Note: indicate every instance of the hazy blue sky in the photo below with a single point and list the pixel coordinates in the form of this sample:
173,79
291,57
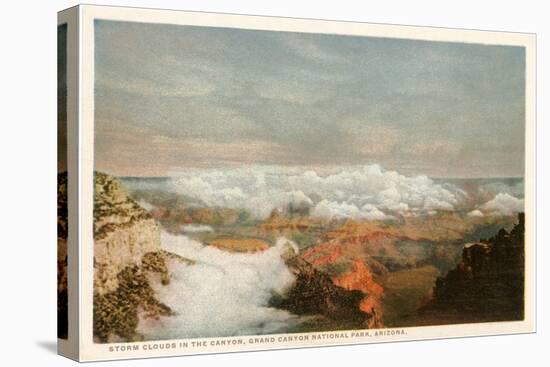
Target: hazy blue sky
170,97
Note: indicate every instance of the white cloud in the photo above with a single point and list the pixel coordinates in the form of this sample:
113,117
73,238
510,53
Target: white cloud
196,228
353,192
329,209
475,213
434,203
504,204
223,294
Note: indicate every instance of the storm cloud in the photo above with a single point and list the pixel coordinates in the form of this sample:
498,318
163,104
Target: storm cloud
170,97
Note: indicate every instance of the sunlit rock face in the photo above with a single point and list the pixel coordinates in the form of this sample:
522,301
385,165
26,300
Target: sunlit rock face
126,251
123,233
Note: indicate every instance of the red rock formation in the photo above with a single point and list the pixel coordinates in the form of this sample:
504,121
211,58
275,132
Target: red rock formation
361,279
323,254
314,293
350,267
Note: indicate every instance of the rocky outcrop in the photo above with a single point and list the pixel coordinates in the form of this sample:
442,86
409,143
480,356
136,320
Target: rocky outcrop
361,278
280,223
126,251
117,313
349,266
401,245
314,293
488,283
123,233
62,235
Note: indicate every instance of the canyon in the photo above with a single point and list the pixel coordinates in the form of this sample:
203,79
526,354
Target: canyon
155,252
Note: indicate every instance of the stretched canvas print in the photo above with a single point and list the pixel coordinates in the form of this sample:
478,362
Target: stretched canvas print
234,183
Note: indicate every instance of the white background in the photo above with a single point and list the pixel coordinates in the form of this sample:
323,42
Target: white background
28,182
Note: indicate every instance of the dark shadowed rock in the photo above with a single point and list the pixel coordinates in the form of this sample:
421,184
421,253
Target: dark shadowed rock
487,285
314,293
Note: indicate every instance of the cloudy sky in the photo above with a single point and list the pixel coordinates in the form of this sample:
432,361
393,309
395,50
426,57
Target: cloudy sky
62,98
172,97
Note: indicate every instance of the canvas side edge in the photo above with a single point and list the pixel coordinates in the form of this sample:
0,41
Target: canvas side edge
70,347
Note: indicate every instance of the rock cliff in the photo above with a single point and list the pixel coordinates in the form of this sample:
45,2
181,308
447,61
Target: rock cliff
348,265
314,293
126,252
488,283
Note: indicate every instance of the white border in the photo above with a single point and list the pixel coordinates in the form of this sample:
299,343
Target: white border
91,351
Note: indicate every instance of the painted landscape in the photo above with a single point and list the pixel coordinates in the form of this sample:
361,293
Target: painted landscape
252,182
62,179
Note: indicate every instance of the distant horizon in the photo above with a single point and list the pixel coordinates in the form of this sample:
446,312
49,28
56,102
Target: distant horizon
415,175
